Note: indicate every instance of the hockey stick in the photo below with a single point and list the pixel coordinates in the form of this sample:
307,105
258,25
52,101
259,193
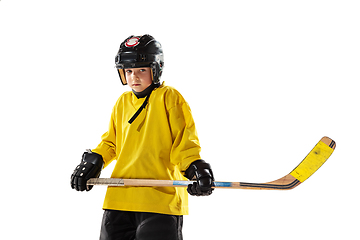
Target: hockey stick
312,162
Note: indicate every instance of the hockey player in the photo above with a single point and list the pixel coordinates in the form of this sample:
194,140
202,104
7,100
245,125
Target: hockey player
151,136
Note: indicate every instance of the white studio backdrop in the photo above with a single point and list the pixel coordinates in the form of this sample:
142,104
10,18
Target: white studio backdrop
265,81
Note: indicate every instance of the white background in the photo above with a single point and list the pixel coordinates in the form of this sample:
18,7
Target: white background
265,81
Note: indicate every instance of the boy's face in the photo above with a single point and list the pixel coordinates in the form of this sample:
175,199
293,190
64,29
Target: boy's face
138,78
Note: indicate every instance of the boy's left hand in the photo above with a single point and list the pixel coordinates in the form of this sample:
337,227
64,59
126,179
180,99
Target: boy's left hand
201,171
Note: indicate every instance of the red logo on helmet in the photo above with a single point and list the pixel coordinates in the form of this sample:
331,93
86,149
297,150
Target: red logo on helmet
132,42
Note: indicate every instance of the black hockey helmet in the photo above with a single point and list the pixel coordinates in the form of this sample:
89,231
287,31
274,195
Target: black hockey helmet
140,51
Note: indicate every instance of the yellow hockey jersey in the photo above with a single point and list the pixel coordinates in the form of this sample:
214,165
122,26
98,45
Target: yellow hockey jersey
160,144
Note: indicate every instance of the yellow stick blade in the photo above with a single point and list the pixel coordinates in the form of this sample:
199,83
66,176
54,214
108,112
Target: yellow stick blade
314,160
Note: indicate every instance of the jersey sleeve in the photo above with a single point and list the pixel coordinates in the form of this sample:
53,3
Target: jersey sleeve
186,147
107,146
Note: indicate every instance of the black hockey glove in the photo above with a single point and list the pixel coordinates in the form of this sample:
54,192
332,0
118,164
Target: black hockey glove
201,171
90,167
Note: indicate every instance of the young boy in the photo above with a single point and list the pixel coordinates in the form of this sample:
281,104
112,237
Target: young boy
152,135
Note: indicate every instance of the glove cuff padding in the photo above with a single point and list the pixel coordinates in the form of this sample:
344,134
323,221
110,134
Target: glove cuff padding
199,169
94,158
90,167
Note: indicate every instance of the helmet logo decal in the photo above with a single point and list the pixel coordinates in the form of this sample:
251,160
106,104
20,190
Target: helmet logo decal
132,42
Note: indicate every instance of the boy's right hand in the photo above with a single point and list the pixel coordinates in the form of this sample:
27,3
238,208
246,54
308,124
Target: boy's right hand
90,167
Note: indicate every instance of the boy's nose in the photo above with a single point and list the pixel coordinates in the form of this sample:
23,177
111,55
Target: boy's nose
134,76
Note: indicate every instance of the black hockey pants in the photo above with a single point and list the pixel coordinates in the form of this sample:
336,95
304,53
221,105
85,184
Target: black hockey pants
122,225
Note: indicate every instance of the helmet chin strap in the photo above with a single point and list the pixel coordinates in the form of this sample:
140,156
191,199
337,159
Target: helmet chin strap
146,93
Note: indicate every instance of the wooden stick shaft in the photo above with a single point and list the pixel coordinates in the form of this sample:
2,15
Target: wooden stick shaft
119,182
285,183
